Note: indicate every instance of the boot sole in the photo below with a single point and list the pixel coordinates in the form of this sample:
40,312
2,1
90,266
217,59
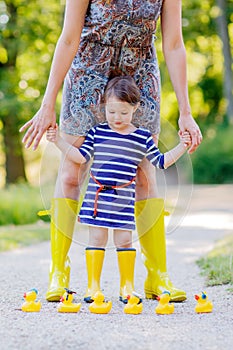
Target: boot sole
53,296
178,299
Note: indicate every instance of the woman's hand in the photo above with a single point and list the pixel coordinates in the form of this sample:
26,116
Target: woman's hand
36,127
187,123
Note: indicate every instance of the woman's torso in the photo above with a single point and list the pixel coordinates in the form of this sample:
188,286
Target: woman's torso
122,22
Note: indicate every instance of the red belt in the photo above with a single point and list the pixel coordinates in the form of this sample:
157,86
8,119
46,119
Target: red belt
104,188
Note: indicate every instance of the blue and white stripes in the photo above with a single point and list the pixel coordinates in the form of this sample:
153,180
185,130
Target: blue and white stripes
115,162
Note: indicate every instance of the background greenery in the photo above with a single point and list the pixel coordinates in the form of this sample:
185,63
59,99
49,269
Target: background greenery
19,205
28,35
217,266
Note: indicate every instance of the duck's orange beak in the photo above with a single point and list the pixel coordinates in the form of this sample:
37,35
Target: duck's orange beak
158,298
197,297
62,299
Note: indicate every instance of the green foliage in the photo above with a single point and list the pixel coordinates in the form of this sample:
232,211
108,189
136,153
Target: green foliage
205,63
19,205
213,160
28,34
28,37
217,267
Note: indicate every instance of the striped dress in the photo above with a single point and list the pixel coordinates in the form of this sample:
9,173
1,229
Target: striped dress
115,161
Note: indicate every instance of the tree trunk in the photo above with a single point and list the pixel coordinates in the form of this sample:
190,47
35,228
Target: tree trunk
15,168
224,35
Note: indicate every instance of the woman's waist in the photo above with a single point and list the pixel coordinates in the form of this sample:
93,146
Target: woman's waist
120,34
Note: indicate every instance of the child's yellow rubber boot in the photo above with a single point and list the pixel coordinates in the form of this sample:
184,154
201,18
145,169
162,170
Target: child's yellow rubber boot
126,263
151,231
63,217
94,263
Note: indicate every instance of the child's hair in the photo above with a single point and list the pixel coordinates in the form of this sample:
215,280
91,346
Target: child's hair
124,89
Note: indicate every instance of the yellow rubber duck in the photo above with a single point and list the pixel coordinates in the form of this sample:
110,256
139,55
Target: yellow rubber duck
203,303
163,307
99,306
30,304
66,304
134,305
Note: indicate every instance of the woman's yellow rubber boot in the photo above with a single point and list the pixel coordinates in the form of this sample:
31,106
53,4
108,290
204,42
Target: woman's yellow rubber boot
151,231
126,263
63,217
94,263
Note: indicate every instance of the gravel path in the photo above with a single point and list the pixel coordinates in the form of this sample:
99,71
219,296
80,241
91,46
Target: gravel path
209,218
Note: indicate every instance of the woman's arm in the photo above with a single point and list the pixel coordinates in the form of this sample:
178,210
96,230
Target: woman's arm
175,57
65,51
67,47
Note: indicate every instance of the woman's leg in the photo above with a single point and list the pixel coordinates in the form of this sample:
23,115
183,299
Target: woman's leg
98,237
70,175
149,212
64,208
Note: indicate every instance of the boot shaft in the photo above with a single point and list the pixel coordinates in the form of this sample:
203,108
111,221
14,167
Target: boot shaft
126,264
151,232
94,264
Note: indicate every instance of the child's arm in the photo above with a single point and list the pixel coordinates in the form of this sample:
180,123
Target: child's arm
71,152
175,153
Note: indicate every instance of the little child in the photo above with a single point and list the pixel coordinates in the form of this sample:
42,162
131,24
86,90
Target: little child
117,148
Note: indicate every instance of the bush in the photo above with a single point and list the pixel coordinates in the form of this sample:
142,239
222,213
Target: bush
19,204
213,160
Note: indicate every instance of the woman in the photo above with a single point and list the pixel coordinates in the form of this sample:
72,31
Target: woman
100,39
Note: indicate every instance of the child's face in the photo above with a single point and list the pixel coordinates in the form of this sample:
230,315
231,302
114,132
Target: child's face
119,114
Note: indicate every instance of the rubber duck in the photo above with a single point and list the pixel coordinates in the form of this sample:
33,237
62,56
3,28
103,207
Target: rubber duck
203,303
99,305
66,304
134,305
163,307
30,304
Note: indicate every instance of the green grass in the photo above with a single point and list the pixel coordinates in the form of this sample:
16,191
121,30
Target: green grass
217,266
12,237
19,204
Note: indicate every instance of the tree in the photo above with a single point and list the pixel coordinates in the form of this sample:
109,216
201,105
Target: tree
222,25
9,77
28,32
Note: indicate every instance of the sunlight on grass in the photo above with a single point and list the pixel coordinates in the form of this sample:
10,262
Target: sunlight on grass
12,237
217,267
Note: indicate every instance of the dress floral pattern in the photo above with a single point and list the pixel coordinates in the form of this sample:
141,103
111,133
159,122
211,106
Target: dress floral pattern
117,39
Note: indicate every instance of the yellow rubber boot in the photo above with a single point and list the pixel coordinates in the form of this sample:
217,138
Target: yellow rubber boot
94,263
151,230
63,217
126,263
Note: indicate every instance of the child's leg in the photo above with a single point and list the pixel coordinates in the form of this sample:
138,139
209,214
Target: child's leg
98,237
126,261
122,238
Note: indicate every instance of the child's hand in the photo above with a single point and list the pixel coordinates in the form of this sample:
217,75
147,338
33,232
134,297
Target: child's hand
52,134
185,138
